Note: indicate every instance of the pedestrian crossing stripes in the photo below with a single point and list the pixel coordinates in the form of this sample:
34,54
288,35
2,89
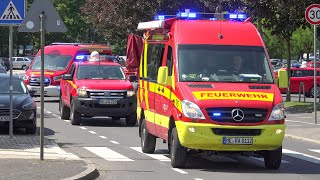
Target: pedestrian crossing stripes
111,155
108,154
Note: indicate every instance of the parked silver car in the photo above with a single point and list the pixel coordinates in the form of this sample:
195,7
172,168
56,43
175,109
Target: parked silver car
21,62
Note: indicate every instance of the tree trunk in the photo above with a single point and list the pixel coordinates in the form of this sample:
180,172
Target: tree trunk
288,97
260,28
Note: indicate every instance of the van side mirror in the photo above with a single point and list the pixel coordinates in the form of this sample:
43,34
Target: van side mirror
67,77
162,75
283,81
132,78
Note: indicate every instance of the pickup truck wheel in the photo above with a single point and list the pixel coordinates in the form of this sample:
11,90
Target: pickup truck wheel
131,120
272,159
75,117
148,141
178,153
64,110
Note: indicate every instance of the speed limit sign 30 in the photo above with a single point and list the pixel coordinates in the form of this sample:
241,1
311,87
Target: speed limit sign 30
313,14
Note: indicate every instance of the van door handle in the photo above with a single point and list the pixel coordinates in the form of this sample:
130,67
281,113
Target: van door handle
158,88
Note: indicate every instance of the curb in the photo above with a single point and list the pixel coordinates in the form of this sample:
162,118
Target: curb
91,172
302,138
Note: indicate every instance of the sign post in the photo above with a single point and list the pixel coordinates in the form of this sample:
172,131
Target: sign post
312,15
11,14
42,16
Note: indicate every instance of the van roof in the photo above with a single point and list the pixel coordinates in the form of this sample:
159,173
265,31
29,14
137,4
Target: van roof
71,49
207,32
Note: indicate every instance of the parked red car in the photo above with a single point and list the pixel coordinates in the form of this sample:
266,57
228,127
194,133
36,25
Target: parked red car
304,75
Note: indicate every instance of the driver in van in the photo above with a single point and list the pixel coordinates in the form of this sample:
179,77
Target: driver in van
237,67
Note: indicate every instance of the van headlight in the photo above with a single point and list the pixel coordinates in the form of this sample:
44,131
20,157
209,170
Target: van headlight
82,92
130,93
28,106
191,110
278,113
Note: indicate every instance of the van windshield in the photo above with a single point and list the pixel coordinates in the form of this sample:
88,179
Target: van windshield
100,72
52,62
215,63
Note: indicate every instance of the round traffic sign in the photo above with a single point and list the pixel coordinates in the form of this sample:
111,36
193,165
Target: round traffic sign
313,14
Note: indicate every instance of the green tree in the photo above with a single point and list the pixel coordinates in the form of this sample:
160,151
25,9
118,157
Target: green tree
302,41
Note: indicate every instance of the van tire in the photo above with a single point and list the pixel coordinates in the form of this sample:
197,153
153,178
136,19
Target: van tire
148,141
272,159
131,120
75,117
64,110
178,153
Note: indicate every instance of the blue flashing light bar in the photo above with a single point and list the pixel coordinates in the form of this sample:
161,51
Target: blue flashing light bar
80,57
217,114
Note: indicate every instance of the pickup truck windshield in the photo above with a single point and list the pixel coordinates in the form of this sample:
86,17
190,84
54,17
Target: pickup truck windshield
215,63
100,72
52,62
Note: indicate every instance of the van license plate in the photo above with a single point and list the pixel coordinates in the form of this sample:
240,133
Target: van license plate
108,101
4,118
238,140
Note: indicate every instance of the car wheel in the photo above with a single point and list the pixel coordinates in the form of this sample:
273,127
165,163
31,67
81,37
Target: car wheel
131,120
178,153
64,110
272,159
75,117
148,141
311,92
31,130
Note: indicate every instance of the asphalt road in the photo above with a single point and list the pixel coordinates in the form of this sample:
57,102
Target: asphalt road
115,150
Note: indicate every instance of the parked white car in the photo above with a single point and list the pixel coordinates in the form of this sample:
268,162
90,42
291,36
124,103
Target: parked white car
21,62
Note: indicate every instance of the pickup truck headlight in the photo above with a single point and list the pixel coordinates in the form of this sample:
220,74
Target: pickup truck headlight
278,113
82,92
130,93
191,110
28,106
57,78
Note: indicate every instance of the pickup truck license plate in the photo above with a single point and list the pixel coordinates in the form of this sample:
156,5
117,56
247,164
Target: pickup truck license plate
4,118
108,101
238,140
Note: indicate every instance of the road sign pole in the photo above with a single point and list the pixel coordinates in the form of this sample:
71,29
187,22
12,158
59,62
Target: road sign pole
42,31
316,90
11,87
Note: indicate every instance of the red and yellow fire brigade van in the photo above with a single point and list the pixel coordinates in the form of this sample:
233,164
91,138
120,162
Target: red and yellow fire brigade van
206,84
97,88
58,58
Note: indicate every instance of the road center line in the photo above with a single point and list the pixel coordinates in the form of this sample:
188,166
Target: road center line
114,142
179,170
103,137
92,132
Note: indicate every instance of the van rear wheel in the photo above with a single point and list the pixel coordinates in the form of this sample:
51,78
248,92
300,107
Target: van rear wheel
148,141
272,159
178,153
131,120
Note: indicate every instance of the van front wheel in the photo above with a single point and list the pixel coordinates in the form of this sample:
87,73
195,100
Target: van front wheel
148,141
272,159
178,153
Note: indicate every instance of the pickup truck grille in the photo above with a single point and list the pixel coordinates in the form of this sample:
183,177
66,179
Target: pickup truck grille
6,112
36,81
107,94
224,115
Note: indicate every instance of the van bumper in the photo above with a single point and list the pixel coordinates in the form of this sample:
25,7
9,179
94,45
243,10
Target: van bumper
204,136
52,91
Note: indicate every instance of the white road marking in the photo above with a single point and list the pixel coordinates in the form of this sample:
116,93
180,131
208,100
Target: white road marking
49,112
38,107
55,115
114,142
261,159
92,132
198,179
83,128
103,137
301,156
67,121
315,150
302,122
108,154
159,157
179,170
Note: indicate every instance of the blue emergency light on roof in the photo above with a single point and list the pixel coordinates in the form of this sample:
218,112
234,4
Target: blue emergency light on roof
80,57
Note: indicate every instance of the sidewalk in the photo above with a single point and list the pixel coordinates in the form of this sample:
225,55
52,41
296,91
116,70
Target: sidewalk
302,126
20,159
